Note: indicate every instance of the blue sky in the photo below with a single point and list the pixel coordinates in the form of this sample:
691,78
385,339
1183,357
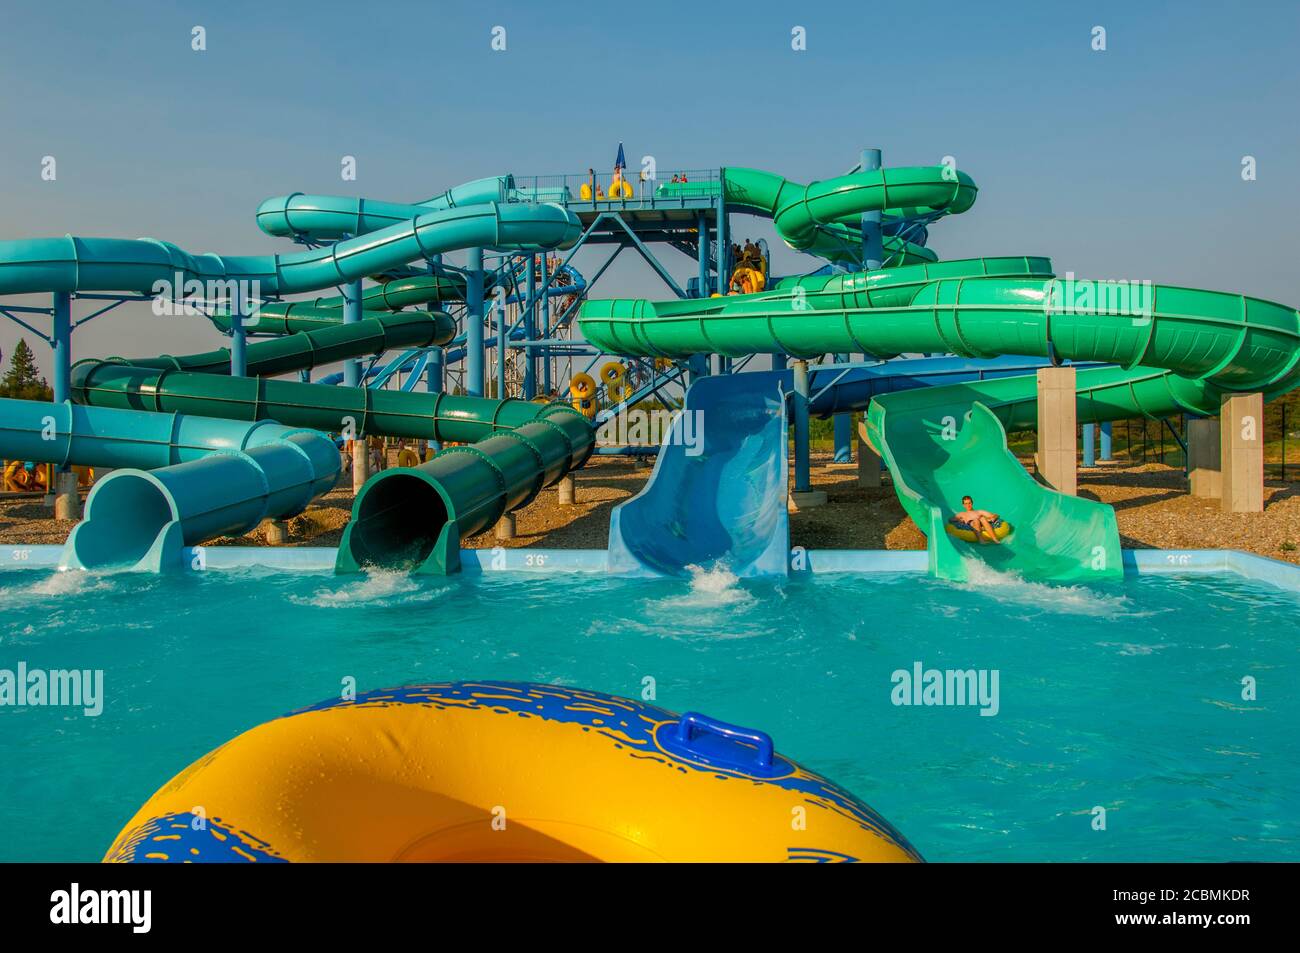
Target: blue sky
1117,164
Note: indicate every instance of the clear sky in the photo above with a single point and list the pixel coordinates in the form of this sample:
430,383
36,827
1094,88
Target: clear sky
1118,164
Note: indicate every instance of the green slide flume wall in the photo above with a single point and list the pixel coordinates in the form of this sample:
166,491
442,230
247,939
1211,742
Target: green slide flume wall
1177,349
824,218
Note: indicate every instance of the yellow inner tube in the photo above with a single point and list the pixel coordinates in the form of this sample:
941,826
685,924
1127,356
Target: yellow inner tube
503,771
1001,531
582,386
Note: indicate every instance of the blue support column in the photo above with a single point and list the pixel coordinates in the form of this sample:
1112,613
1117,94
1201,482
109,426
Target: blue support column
474,324
63,493
238,338
351,315
500,313
530,332
799,400
547,385
62,341
702,231
873,246
1105,442
843,428
1089,445
723,236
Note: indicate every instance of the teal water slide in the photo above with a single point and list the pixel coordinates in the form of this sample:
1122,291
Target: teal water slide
1177,349
206,494
163,498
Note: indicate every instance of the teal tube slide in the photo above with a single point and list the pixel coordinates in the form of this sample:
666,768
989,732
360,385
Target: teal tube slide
1175,347
142,265
303,350
181,480
261,472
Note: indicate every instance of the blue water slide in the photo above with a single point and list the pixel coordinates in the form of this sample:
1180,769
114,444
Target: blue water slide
717,496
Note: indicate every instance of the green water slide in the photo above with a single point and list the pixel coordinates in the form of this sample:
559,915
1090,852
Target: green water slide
824,218
200,383
1176,349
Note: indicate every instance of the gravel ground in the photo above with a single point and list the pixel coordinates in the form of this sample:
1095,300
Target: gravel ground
1153,510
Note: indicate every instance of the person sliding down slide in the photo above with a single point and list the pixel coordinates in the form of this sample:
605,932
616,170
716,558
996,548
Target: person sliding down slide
980,522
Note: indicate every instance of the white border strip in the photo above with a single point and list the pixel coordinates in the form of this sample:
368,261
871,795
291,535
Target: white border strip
1142,562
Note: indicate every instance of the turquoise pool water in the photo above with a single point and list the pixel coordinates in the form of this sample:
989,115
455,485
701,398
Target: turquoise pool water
1127,698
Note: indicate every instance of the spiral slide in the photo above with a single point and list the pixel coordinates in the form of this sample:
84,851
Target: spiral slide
1177,349
825,218
141,519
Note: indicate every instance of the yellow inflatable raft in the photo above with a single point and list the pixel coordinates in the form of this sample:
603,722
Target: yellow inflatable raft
1001,529
503,771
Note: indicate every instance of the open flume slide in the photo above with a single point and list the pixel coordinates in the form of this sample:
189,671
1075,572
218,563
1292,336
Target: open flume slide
824,218
1183,347
718,492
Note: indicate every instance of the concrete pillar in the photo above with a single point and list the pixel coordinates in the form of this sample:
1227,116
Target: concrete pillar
360,464
1204,458
568,488
277,532
506,526
67,501
1057,451
868,461
1241,445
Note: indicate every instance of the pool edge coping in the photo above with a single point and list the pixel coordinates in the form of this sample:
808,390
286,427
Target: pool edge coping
1140,562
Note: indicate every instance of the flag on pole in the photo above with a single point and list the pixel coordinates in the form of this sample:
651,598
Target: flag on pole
620,163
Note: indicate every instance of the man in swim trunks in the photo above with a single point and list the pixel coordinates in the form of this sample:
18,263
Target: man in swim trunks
980,522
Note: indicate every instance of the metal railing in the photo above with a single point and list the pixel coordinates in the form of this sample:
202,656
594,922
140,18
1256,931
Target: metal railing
633,188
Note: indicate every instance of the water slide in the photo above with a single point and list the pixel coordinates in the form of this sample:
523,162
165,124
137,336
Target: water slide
825,218
1178,349
413,518
718,491
72,264
140,519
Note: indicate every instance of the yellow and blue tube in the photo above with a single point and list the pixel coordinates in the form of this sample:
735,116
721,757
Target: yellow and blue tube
501,771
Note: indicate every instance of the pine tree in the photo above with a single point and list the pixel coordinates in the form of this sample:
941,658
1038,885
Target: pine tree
22,380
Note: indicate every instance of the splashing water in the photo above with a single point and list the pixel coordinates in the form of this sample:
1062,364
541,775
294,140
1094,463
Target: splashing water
375,589
1010,588
713,588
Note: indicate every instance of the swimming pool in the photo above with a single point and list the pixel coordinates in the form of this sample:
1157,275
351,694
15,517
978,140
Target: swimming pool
1127,698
